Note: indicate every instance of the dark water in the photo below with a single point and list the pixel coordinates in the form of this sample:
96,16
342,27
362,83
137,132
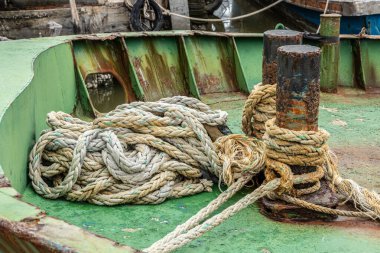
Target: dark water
106,98
256,24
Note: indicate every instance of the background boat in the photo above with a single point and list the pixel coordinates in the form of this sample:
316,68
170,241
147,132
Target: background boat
356,14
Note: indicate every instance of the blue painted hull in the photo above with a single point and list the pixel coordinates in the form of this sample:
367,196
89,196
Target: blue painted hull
349,25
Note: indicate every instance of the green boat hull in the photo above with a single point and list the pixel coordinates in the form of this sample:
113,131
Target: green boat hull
46,74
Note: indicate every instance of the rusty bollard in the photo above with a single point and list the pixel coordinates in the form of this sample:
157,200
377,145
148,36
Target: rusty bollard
273,39
297,105
330,30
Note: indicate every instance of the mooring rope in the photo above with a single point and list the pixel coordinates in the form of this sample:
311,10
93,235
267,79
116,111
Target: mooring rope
146,152
258,109
286,147
170,13
143,152
283,147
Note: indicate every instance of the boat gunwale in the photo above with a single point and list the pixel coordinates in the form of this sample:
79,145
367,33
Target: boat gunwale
16,226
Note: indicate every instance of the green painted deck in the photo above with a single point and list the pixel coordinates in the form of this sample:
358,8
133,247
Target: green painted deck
43,77
249,231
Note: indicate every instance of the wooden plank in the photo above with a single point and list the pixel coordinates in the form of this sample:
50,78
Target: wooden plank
34,23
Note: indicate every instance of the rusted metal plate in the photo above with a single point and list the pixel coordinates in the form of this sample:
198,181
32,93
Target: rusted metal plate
212,61
104,57
158,66
108,56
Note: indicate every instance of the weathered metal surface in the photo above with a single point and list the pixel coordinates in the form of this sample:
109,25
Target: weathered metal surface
250,56
188,72
352,120
239,69
347,66
274,39
298,87
25,229
158,66
330,27
344,7
370,65
31,87
212,62
94,57
297,104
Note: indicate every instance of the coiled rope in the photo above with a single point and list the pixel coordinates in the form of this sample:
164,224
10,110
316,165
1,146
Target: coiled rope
146,152
143,152
283,147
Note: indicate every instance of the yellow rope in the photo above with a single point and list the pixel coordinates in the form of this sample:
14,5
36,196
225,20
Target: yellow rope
145,152
258,109
283,147
140,153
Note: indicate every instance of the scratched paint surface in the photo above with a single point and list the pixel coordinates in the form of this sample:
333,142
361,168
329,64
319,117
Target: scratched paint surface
351,119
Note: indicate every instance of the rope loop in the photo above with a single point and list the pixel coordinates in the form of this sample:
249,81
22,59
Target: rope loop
142,152
259,108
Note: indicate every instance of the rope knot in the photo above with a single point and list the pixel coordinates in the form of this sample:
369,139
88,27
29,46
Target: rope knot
240,155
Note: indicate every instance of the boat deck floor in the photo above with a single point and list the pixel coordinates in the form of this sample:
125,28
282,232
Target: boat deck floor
353,121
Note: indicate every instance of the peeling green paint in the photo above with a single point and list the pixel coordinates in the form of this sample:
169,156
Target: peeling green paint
10,191
49,84
249,231
13,209
27,98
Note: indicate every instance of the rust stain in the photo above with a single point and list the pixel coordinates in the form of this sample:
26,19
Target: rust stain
305,103
22,237
137,65
269,72
207,83
158,77
4,182
212,79
227,64
101,57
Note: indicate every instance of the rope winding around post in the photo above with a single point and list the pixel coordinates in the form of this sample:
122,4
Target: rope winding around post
283,146
146,152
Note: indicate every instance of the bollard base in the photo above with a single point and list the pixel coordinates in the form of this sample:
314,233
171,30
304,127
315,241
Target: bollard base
282,211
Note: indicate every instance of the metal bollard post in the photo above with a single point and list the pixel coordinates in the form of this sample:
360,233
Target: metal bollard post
330,30
297,105
297,98
273,39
